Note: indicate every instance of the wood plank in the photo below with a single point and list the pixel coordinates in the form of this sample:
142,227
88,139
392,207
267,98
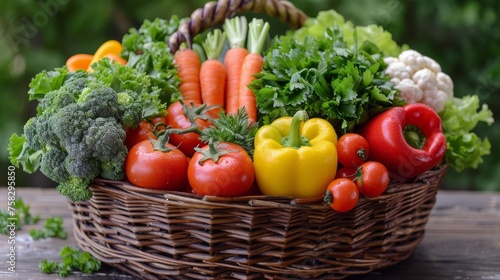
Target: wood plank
462,240
30,252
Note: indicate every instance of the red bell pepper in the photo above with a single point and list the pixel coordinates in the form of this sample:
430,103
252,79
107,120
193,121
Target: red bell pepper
385,136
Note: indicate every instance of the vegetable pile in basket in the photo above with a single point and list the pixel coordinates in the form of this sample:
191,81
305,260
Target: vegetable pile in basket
331,110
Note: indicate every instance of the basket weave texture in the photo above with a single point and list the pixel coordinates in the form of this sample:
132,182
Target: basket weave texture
173,235
153,234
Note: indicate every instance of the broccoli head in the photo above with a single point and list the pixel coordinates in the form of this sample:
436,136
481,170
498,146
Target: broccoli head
84,137
93,147
105,139
56,99
78,132
78,81
68,126
79,164
75,188
113,169
53,164
100,100
129,104
33,139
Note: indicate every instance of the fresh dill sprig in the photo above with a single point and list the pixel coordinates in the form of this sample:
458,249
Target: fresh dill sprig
233,128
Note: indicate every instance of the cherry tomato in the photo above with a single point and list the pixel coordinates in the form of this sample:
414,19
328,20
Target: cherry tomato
352,149
342,195
149,168
346,172
372,178
143,132
176,118
232,175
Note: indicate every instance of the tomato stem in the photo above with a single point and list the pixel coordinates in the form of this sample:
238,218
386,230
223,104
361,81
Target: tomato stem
199,112
359,176
361,153
156,127
211,153
163,136
160,144
328,199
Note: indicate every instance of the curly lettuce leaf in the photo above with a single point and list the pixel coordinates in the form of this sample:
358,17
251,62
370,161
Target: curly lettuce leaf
157,62
146,49
465,149
461,114
46,81
125,78
120,77
21,154
158,30
374,33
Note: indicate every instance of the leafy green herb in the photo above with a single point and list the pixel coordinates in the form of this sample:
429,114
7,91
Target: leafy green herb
21,154
146,49
233,128
465,149
72,259
326,77
48,267
158,30
382,39
53,228
20,216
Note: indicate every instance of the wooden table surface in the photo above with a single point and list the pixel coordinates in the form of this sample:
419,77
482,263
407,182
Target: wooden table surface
462,240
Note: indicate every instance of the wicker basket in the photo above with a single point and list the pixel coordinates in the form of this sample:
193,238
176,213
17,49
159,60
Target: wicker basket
154,234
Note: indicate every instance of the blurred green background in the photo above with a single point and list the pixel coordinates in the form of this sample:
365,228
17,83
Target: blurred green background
462,35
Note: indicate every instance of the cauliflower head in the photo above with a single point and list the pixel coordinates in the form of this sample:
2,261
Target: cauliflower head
419,79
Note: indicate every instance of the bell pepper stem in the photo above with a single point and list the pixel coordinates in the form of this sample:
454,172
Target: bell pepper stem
295,138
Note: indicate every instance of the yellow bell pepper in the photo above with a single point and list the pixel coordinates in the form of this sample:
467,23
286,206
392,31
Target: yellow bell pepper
110,48
295,156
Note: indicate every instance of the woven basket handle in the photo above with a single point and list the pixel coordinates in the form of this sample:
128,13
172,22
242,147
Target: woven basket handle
215,12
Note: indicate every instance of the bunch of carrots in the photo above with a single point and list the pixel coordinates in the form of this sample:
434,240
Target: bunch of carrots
224,84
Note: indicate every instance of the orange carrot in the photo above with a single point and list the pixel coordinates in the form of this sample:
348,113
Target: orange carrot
79,61
188,69
236,30
252,65
213,72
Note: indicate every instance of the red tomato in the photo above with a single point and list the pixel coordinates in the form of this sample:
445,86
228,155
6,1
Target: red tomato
352,149
152,169
342,195
372,179
143,132
232,175
176,118
346,172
